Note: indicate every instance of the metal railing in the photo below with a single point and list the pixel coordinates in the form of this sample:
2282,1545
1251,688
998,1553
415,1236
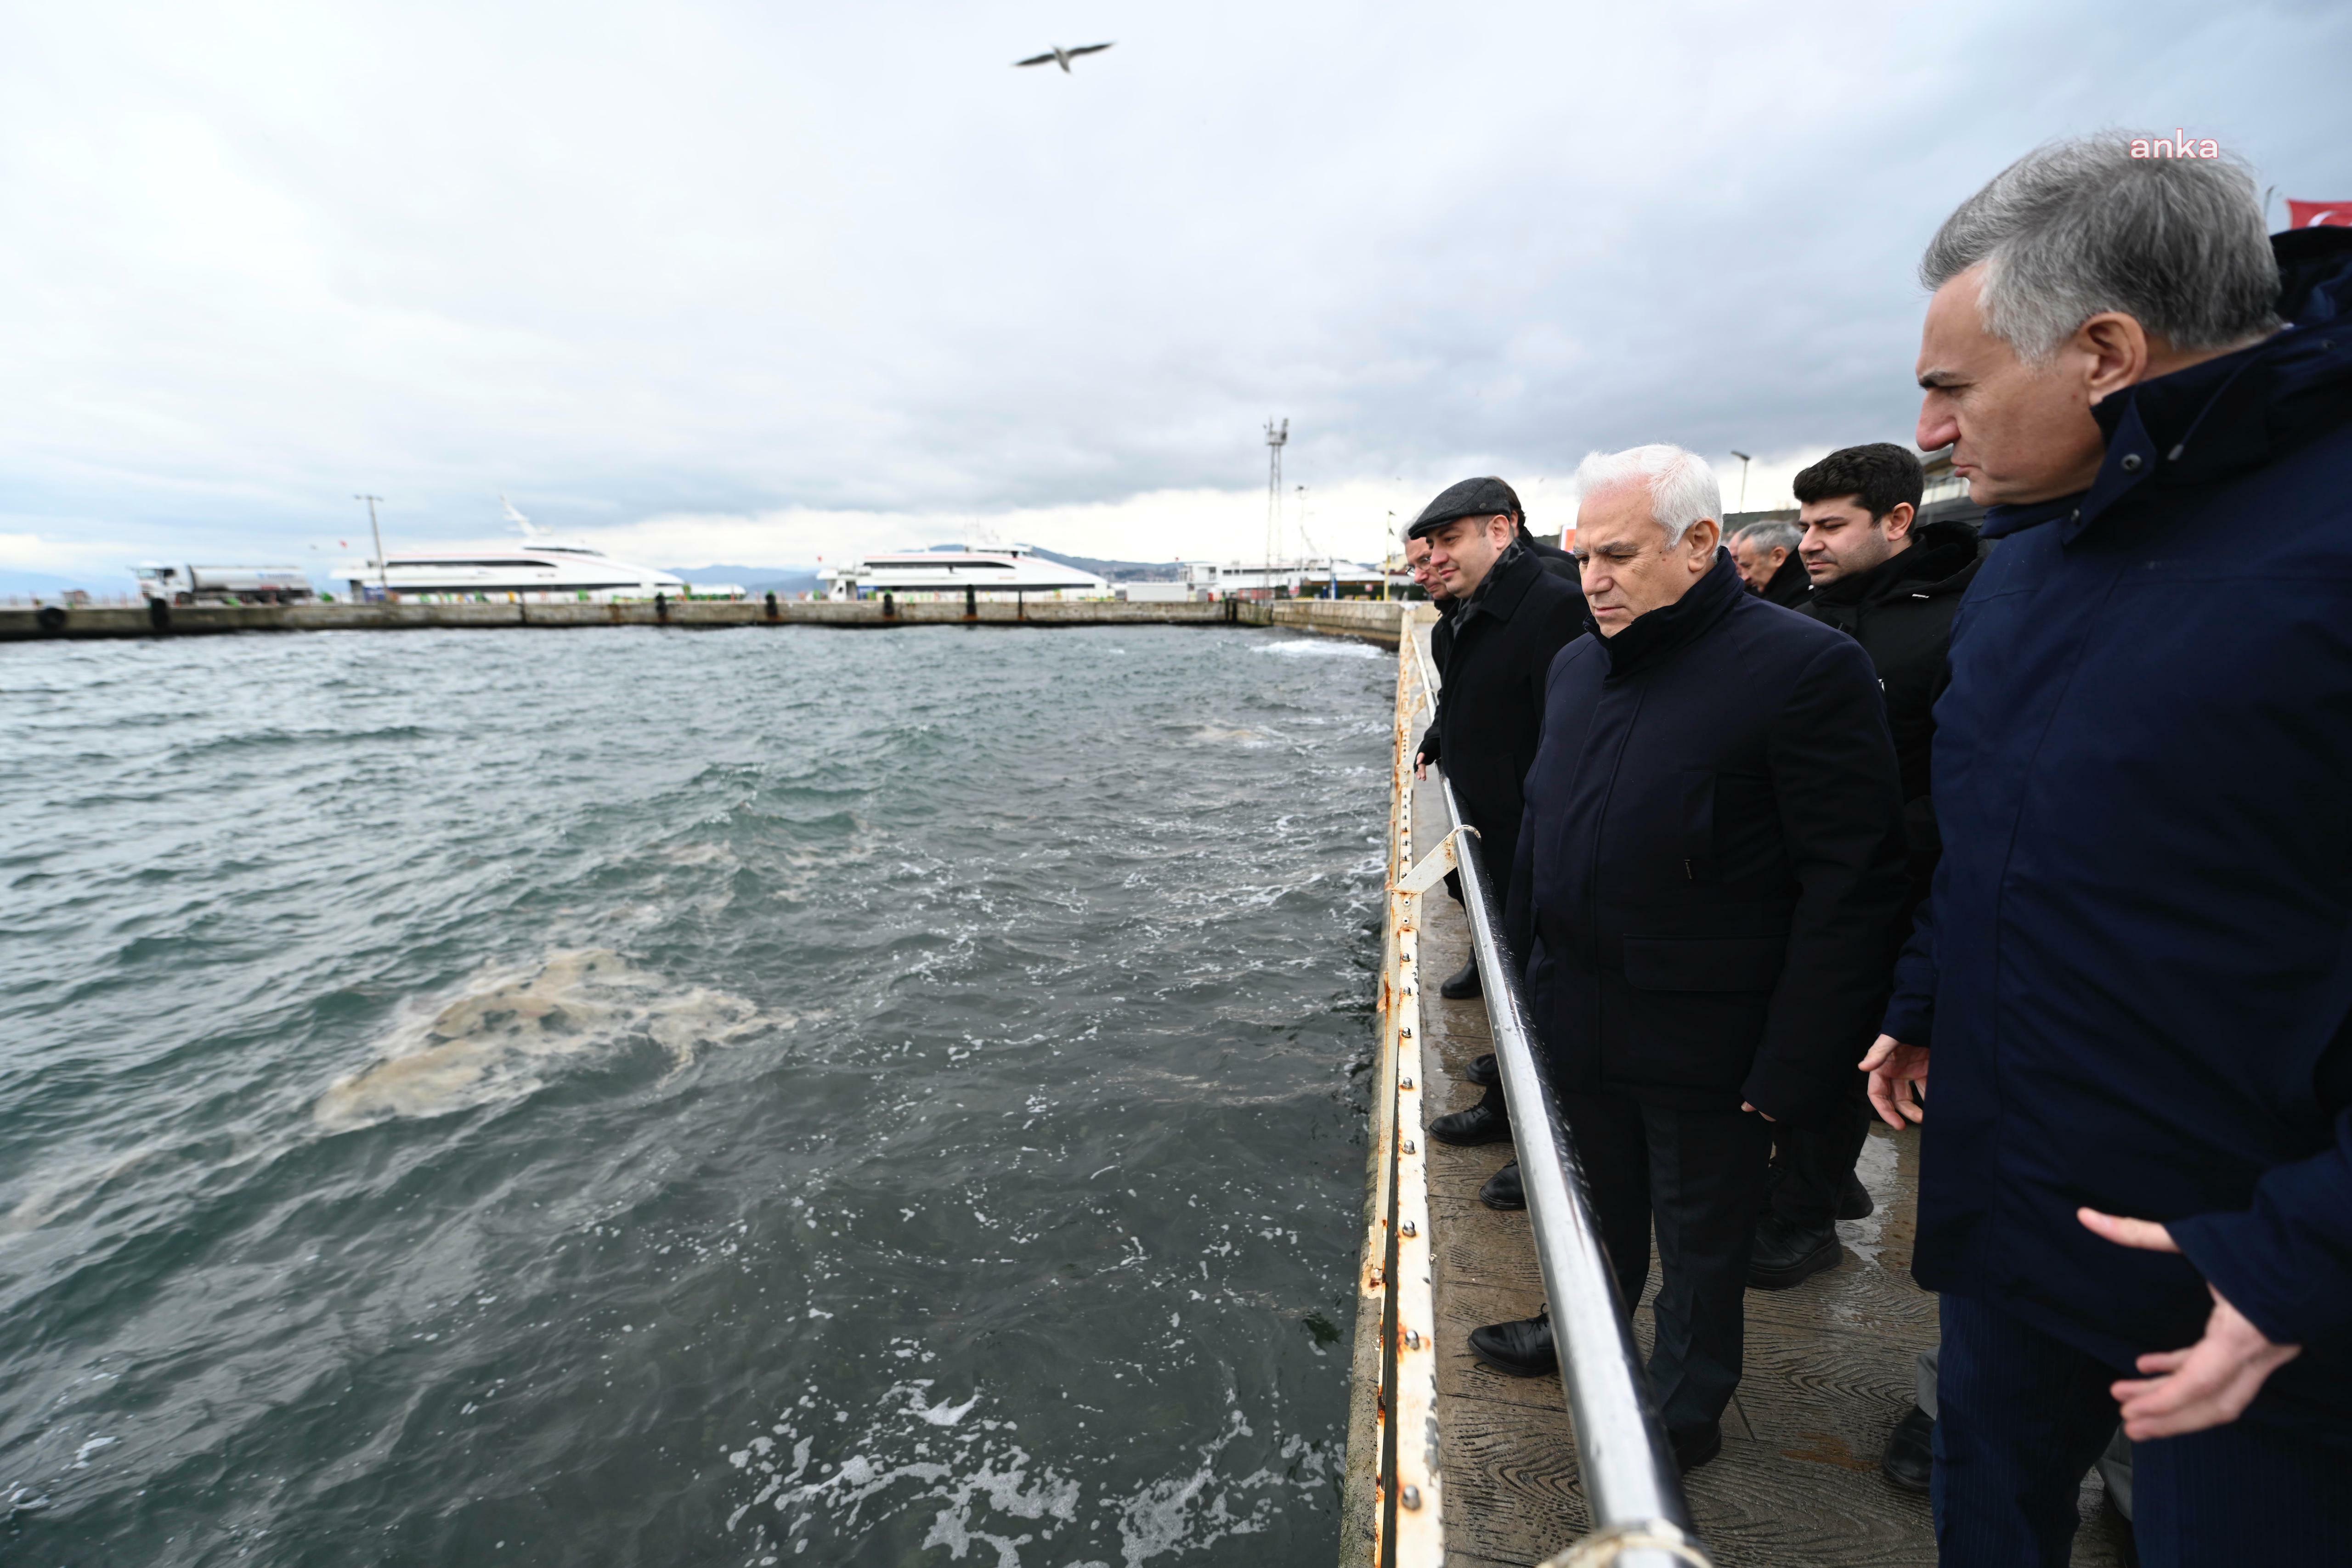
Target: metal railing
1631,1483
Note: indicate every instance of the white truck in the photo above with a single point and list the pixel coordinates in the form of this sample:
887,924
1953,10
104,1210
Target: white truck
223,584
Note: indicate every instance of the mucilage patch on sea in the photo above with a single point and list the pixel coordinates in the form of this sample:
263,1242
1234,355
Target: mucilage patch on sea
508,1026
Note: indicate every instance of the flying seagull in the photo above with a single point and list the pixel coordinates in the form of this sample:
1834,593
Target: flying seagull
1058,56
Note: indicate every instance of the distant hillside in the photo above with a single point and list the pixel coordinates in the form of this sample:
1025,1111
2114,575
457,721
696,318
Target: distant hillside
45,584
782,580
1121,571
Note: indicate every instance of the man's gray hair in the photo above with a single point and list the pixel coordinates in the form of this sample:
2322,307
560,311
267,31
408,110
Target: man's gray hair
1773,534
1682,487
2079,227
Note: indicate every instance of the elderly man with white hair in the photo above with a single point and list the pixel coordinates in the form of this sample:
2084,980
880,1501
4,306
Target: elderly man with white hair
1706,885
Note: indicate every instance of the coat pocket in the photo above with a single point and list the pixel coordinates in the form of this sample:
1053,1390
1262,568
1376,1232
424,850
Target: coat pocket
1704,963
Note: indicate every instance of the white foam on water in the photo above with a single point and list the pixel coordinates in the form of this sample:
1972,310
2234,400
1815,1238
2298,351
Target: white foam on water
64,1190
1323,647
989,1491
1227,735
507,1026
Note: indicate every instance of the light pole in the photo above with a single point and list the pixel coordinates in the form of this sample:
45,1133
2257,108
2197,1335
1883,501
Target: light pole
383,583
1276,437
1743,479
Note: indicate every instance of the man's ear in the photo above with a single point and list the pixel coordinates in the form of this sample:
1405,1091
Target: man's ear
2114,350
1898,520
1704,536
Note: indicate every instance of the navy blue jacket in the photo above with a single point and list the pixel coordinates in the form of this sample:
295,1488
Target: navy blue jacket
2136,966
1711,861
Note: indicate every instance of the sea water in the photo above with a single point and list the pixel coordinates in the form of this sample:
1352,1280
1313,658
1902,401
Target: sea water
676,1097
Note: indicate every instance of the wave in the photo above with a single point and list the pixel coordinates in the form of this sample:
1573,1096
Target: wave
509,1025
1324,647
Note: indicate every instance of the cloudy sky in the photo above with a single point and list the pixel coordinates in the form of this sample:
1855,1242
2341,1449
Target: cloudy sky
757,282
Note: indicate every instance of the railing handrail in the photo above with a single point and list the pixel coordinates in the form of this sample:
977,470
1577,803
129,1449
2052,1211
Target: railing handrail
1629,1472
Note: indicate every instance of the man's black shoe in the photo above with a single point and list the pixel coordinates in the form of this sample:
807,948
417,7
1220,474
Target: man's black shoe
1910,1457
1463,984
1786,1254
1503,1191
1483,1071
1854,1199
1522,1349
1487,1122
1695,1448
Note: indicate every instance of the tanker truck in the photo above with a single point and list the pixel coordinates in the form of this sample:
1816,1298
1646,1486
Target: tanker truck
223,584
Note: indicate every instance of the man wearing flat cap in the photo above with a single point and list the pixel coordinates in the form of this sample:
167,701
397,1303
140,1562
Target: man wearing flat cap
1513,616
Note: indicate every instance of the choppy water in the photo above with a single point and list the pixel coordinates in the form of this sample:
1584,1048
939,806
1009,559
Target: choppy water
620,1096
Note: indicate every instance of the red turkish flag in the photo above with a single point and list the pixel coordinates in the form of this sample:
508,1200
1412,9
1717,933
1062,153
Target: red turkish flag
2318,214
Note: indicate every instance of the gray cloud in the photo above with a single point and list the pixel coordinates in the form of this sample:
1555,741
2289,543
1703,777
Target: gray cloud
716,259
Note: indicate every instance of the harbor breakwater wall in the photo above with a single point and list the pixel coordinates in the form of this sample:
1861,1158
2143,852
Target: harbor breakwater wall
1373,619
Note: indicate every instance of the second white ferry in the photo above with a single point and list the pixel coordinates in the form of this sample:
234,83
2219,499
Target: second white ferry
945,571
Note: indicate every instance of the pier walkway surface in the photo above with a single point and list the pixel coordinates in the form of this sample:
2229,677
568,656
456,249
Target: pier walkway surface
1829,1363
1372,618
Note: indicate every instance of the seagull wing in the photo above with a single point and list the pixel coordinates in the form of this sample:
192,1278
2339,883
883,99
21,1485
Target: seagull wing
1044,60
1091,48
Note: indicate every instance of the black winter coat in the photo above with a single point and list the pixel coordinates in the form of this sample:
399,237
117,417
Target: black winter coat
1711,861
1504,637
1901,613
1441,648
1553,559
1790,586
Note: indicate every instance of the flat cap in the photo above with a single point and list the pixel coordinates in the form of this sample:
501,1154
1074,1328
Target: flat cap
1487,496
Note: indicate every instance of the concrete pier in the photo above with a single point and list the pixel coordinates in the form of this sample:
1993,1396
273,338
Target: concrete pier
1374,620
1829,1363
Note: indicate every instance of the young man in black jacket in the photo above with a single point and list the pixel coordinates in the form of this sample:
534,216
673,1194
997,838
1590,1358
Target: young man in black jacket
1708,867
1893,588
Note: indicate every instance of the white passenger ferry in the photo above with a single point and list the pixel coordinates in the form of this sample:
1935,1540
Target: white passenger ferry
537,569
946,571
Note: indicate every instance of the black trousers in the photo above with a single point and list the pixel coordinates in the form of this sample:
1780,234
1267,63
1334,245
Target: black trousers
1697,1177
1813,1159
2021,1415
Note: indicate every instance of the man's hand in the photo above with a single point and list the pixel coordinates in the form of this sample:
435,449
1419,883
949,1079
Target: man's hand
1895,1069
2209,1383
1765,1114
1420,767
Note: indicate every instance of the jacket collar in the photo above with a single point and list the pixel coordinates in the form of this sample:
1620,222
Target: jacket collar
1791,583
2227,415
1939,553
1506,583
1656,636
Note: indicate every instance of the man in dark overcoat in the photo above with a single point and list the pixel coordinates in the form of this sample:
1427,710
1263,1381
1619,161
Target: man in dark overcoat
1511,617
1766,556
1705,878
2133,975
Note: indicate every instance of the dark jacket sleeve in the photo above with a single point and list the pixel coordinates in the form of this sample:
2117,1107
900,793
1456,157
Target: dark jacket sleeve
1441,642
2286,1263
1911,1011
1840,795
